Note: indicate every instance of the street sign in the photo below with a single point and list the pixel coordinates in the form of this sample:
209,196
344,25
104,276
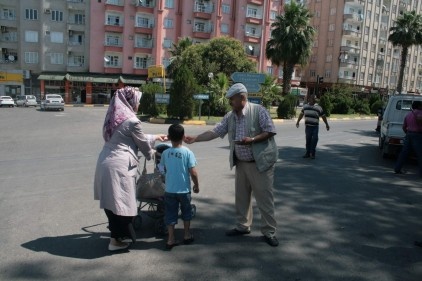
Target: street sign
254,100
201,96
162,98
155,71
251,81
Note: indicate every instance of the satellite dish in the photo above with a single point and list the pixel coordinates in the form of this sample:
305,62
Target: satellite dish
106,59
11,58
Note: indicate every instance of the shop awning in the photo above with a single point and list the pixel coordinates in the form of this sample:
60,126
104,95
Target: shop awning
131,80
92,78
55,77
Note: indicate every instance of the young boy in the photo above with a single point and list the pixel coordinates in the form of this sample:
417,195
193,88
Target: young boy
179,166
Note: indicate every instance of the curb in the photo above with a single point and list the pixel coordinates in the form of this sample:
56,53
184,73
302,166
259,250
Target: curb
86,105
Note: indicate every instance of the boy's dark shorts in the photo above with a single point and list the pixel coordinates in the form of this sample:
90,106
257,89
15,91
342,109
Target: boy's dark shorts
172,202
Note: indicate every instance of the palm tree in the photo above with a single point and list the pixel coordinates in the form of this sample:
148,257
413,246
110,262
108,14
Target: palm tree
176,54
291,41
218,87
406,32
269,90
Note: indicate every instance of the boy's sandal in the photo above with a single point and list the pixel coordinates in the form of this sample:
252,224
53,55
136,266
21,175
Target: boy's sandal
188,241
170,246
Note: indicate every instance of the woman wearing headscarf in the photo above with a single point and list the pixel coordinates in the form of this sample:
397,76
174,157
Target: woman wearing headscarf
117,165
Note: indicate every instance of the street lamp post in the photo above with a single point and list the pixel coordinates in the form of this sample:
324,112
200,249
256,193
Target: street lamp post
210,77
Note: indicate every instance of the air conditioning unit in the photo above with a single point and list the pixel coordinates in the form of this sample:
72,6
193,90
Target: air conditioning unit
47,11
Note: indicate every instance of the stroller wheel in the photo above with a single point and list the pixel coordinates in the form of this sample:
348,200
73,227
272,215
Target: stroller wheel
137,222
193,210
160,227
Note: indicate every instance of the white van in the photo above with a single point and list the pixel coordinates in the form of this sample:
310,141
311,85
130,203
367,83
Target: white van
391,134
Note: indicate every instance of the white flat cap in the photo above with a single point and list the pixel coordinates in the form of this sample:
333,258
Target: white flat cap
237,88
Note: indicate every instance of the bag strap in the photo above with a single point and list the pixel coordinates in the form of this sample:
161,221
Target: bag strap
144,170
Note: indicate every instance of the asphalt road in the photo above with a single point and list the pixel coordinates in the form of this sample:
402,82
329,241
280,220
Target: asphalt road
342,216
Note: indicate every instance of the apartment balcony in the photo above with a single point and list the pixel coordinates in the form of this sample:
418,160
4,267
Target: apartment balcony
379,69
75,46
202,31
254,20
403,3
256,2
349,64
113,27
351,49
380,57
9,39
76,5
202,10
9,56
145,6
358,3
76,25
113,67
353,17
114,5
143,46
346,78
144,29
201,35
351,32
111,46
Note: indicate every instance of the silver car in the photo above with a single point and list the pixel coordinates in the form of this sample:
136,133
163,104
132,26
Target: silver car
28,100
52,101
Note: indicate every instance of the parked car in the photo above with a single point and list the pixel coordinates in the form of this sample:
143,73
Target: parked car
391,133
28,100
52,101
7,101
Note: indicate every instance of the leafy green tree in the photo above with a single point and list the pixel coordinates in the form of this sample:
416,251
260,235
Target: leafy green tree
269,91
147,105
181,93
406,32
291,41
220,54
326,104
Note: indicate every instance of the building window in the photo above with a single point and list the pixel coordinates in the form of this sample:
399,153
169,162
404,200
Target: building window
273,15
253,12
312,73
333,11
168,23
76,61
169,4
329,58
167,43
31,36
56,58
225,8
56,16
327,74
56,37
112,40
313,58
330,42
280,72
31,57
331,27
79,19
269,70
113,20
317,14
141,62
369,77
8,14
166,62
112,61
31,14
224,28
144,22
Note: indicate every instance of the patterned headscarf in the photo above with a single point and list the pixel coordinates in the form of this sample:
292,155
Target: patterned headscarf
122,107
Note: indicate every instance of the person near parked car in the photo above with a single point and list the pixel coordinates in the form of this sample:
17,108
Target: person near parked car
412,126
117,165
312,112
179,167
254,152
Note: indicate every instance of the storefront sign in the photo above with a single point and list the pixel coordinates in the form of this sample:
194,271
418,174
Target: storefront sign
11,77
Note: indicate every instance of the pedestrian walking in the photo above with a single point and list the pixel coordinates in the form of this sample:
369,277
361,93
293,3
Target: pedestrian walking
312,112
253,152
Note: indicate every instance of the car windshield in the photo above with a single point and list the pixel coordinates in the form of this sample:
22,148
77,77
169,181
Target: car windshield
31,97
6,98
54,96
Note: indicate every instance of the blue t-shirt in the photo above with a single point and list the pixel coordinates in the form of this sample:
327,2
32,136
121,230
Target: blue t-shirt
177,162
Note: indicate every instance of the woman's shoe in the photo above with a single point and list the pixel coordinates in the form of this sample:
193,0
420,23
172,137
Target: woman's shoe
112,247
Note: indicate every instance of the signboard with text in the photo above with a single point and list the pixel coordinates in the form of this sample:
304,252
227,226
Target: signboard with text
251,81
162,98
155,71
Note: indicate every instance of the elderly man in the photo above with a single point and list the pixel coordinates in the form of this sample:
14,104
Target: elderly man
253,151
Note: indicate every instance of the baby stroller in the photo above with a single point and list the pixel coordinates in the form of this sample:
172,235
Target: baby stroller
154,207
